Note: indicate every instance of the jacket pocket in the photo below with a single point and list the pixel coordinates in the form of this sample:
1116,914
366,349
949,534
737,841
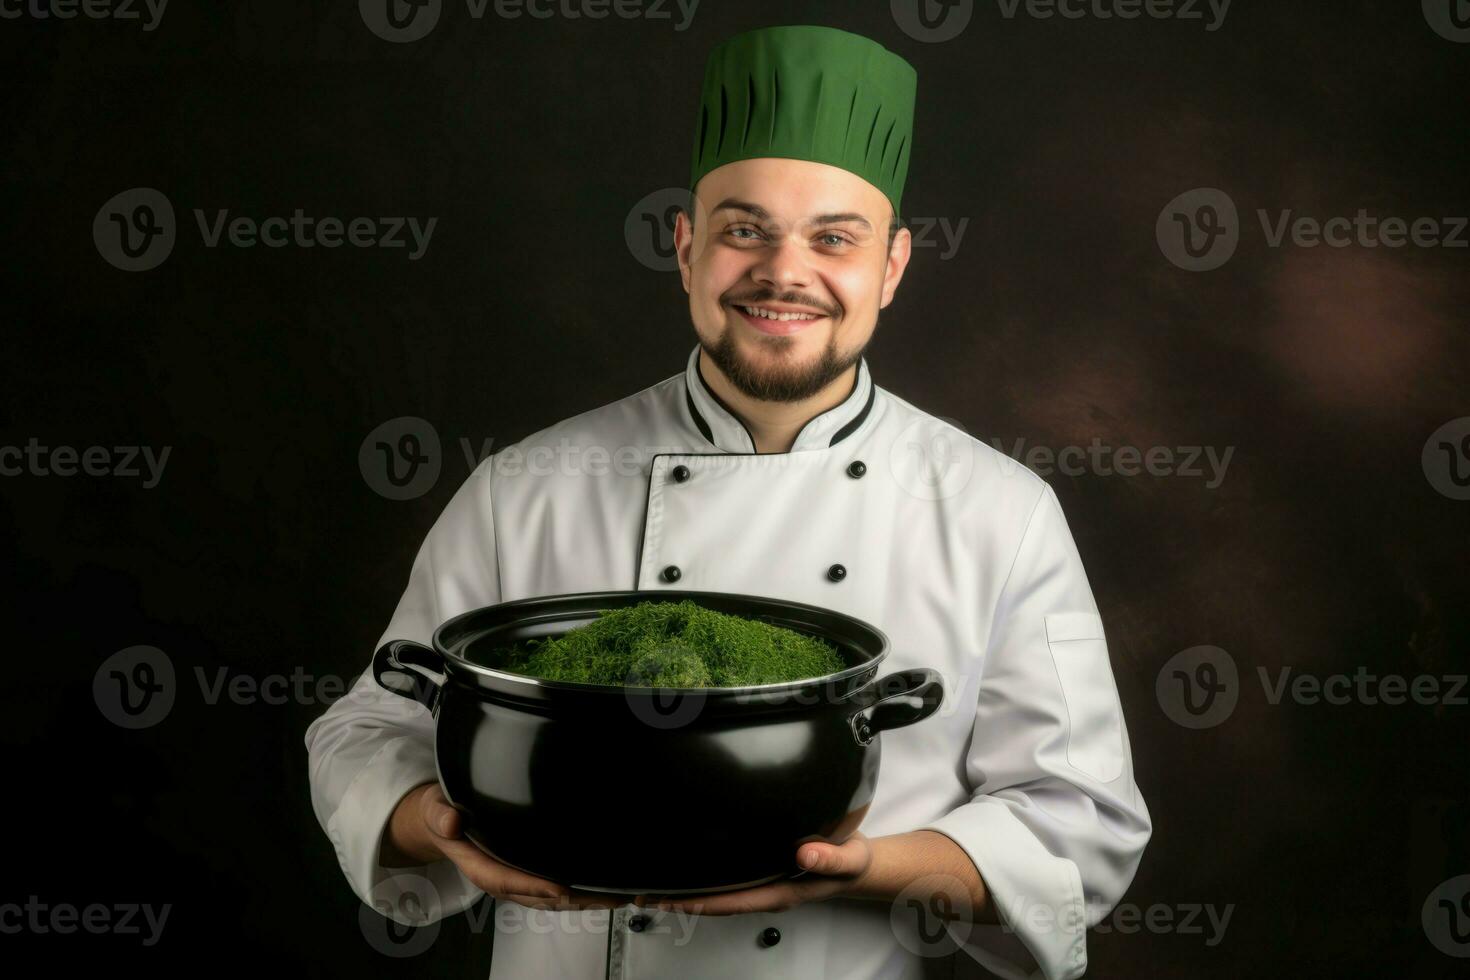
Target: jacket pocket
1079,650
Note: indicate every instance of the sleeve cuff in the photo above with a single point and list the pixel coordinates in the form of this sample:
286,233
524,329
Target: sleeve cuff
411,896
1037,895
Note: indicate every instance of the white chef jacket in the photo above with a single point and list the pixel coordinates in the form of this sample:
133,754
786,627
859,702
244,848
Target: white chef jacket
959,554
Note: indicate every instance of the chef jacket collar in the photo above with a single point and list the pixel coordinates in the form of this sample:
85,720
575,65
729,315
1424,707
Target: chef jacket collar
724,429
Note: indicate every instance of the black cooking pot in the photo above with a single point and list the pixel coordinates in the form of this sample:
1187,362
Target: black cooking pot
635,789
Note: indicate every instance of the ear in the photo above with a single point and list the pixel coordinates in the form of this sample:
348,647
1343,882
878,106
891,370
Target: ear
898,261
684,246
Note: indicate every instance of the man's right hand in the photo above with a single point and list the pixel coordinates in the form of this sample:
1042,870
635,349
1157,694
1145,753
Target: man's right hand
424,828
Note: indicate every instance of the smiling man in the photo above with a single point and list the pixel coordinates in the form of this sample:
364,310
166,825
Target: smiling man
774,465
793,263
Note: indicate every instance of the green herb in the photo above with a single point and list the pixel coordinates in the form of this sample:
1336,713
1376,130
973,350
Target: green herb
673,644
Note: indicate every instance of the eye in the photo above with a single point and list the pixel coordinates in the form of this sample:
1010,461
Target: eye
735,233
834,239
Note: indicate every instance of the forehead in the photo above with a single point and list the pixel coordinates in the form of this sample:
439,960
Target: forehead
793,190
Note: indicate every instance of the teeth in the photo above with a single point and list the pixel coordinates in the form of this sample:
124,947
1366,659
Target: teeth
771,315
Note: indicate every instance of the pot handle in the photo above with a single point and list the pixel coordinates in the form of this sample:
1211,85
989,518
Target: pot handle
896,700
395,668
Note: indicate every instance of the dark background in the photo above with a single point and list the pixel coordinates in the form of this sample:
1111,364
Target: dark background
264,550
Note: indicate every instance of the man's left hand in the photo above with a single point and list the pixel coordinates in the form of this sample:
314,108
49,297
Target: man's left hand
831,870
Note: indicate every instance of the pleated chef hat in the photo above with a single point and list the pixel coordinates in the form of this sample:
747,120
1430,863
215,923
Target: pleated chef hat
808,93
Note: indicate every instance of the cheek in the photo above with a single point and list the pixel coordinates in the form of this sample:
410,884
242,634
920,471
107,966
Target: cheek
855,289
720,272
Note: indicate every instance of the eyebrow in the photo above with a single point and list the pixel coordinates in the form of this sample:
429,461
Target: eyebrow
760,213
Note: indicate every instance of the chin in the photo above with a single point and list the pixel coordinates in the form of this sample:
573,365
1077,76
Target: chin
785,353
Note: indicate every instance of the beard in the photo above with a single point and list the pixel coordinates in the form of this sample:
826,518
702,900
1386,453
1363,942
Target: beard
779,383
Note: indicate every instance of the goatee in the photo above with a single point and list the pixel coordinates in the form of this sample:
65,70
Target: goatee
778,384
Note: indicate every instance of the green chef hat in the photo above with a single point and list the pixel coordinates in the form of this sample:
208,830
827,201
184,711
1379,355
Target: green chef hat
808,93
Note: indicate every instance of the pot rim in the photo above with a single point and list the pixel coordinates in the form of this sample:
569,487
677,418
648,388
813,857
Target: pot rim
456,662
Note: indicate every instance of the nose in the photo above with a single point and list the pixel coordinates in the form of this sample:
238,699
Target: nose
783,266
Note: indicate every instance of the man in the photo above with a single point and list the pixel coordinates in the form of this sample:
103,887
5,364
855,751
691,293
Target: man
774,465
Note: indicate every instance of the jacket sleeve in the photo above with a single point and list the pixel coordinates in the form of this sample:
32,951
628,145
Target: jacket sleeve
1056,824
372,746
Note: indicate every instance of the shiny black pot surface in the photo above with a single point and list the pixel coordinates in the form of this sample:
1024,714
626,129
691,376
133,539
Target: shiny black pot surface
640,790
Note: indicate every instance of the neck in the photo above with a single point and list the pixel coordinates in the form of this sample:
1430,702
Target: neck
775,425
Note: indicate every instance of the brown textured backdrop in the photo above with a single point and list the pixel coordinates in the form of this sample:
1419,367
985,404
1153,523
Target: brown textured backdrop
1058,319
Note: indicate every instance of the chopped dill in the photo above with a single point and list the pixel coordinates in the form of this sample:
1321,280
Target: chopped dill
673,644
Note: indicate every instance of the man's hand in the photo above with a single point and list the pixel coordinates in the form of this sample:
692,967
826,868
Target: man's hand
874,868
833,869
424,828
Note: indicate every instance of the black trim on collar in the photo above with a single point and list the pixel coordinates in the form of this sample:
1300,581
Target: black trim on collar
705,430
721,402
857,419
699,421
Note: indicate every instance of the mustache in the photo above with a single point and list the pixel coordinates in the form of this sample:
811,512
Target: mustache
791,299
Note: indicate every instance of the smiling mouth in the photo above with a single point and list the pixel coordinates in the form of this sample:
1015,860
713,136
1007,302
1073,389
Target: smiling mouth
774,321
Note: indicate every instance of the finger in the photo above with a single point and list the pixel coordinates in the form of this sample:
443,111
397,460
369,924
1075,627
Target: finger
529,901
765,898
491,876
823,859
441,818
571,903
829,859
592,900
